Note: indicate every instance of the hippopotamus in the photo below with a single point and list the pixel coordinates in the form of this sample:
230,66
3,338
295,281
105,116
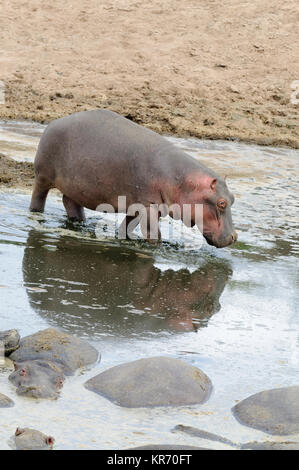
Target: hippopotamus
37,379
5,402
44,358
99,158
10,339
30,439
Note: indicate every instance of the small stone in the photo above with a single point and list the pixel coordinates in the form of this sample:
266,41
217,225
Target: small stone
233,89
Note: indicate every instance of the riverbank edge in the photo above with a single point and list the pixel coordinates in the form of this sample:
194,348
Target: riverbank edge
164,124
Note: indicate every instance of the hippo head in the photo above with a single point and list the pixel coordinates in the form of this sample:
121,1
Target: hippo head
37,379
30,439
212,192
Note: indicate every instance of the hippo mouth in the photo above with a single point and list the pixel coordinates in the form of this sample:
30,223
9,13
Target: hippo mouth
220,242
29,391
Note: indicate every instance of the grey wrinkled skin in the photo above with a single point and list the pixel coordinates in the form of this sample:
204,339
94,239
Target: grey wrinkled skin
273,411
93,157
5,402
44,358
37,379
11,340
30,439
66,351
157,381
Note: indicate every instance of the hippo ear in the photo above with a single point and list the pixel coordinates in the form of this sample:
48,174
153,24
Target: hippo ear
50,440
19,431
213,184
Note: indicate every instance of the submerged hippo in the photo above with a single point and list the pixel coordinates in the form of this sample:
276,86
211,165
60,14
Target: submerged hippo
154,381
5,402
30,439
37,379
94,157
44,358
10,340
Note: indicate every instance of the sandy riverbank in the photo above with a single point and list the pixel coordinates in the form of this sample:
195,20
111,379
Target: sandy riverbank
15,174
202,68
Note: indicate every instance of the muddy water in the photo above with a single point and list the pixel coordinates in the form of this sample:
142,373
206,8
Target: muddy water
232,312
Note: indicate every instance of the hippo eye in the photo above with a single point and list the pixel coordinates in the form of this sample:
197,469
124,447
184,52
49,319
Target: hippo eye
221,204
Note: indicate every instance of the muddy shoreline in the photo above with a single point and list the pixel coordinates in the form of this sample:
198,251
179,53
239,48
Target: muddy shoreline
207,118
208,70
244,121
15,174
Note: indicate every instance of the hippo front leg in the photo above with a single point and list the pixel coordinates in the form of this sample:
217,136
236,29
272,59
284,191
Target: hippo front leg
74,211
149,224
127,226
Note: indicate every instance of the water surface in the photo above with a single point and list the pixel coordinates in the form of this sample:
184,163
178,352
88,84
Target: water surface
232,312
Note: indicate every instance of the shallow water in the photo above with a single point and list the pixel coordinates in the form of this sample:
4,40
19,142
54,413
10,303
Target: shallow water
232,312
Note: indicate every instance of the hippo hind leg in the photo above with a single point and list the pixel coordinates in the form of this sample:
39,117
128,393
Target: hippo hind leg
39,195
74,211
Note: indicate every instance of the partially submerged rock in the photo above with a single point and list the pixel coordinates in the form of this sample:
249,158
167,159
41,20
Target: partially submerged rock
5,402
157,381
273,411
52,345
10,339
37,379
30,439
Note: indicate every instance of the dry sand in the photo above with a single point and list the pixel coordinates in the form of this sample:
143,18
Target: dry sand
195,67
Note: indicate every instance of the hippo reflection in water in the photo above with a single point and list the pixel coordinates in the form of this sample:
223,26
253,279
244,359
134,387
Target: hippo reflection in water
84,284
